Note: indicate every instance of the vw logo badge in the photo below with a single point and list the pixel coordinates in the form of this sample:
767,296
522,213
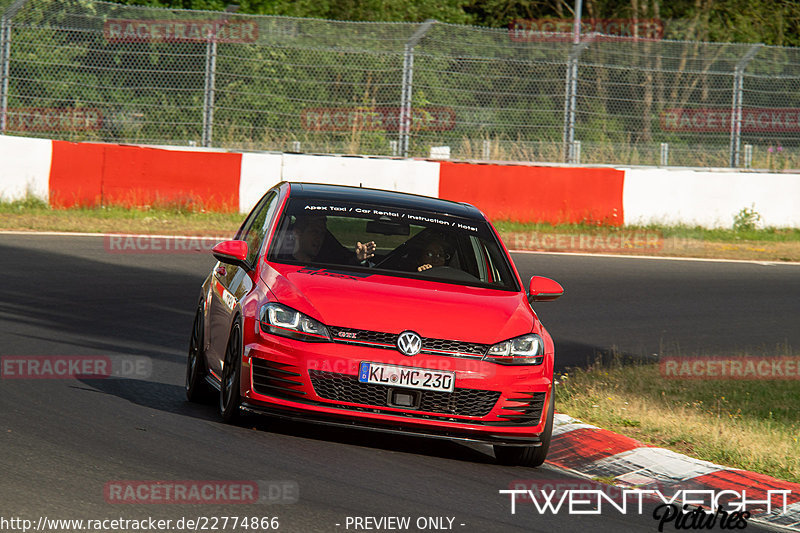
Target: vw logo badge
409,343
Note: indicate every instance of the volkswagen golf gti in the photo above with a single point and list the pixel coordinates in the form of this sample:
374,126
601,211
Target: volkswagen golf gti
376,310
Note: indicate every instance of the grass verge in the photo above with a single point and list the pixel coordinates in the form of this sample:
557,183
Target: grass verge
751,425
32,214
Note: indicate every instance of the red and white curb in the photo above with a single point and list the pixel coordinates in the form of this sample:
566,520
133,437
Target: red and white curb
597,452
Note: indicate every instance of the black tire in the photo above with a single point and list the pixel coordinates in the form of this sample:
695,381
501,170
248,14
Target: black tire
197,390
530,456
229,395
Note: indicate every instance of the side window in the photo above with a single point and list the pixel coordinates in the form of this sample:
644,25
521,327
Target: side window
255,227
487,264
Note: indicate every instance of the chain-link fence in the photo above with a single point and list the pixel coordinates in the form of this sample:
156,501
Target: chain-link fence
86,70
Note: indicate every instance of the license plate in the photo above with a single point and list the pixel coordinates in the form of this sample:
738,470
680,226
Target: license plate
404,376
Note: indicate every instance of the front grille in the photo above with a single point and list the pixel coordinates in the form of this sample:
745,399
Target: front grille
362,336
275,379
530,410
379,339
347,388
434,345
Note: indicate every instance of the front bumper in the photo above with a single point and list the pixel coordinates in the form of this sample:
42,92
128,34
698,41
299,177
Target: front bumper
318,382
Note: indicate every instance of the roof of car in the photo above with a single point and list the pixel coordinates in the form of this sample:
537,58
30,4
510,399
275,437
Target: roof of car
384,198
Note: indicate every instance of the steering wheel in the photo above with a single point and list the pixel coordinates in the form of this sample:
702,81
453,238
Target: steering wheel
447,272
393,255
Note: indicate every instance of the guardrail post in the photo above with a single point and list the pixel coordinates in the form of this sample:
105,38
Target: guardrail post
736,106
407,84
664,154
575,152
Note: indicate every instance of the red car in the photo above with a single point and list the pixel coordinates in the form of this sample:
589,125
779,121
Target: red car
377,310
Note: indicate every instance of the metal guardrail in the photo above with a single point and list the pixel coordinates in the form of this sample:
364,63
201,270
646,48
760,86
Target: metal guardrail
89,70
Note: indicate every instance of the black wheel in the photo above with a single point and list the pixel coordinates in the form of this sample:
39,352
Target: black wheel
530,456
229,398
197,390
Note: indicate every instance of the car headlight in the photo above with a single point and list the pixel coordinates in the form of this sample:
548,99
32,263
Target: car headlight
524,350
284,321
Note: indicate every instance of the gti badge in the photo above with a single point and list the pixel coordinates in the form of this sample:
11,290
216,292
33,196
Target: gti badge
409,343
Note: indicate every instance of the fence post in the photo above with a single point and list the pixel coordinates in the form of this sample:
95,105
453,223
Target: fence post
5,59
570,96
208,90
407,84
736,106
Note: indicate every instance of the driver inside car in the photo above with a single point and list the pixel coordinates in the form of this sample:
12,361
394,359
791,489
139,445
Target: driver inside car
434,254
310,235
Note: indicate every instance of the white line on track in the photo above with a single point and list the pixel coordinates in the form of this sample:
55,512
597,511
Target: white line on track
134,235
660,257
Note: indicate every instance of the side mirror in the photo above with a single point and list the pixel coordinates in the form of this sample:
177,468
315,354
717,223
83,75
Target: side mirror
544,289
232,253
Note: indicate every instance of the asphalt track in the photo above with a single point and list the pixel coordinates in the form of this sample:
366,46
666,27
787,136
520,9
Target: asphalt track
62,441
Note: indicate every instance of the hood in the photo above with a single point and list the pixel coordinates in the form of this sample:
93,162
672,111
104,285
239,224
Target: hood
375,302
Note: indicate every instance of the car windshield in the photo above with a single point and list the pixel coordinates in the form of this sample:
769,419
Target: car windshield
391,241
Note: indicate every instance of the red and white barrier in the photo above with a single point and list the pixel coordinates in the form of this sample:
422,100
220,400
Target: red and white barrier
67,174
709,198
24,167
